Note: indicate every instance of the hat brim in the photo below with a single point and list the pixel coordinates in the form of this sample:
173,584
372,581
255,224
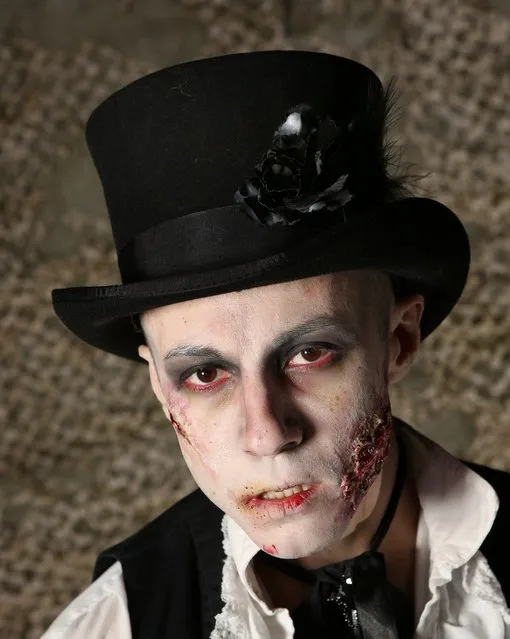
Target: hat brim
418,240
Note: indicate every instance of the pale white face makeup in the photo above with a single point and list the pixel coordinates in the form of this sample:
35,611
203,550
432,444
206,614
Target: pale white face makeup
282,386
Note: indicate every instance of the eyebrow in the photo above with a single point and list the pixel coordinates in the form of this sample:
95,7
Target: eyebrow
284,340
187,350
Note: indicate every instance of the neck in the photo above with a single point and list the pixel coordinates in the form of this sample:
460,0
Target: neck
398,545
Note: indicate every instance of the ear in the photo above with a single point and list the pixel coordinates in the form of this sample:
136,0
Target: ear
146,354
404,338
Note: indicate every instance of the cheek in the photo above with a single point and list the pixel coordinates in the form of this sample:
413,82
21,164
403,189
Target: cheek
205,443
178,427
336,385
195,441
178,414
369,447
332,401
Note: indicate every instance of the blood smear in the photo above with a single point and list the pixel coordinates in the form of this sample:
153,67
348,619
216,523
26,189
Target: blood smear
271,550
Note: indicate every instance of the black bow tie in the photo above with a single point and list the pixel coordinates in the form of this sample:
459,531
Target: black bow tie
353,599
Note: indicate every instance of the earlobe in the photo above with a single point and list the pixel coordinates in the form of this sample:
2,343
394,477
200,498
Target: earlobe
144,352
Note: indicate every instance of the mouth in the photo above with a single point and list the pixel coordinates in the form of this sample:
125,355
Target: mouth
286,499
286,492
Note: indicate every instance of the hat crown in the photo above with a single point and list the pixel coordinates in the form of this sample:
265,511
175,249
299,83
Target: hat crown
254,169
182,139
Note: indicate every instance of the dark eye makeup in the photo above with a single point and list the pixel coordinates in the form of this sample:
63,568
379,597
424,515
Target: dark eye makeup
205,365
330,333
335,351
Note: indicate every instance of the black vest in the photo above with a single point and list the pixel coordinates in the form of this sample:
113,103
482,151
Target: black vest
172,568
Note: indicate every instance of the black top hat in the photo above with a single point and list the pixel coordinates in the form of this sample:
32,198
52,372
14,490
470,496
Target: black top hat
250,169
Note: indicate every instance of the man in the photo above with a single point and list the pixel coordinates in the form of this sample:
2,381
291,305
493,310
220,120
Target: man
276,280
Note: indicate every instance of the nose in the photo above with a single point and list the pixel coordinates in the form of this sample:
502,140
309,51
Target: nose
272,424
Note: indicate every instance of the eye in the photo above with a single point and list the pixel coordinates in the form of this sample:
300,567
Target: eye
205,378
311,357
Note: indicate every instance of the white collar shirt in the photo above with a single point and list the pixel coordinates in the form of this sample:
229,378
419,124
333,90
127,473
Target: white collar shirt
457,595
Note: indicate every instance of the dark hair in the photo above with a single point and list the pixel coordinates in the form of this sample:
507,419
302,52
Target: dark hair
401,287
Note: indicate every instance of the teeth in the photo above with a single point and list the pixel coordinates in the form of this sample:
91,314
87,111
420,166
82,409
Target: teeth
273,494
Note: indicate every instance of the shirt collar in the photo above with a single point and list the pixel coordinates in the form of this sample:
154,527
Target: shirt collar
242,551
458,507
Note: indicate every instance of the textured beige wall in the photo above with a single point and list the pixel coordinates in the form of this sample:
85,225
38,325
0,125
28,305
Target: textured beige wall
81,464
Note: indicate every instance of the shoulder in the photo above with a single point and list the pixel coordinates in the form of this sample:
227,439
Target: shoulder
99,612
171,569
500,482
498,479
133,579
494,546
171,533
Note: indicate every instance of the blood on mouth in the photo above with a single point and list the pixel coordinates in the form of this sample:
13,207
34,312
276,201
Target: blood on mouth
282,505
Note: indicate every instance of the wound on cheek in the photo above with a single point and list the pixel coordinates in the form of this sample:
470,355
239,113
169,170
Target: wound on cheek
370,449
178,428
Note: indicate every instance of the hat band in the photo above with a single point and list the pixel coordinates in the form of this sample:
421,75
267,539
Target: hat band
205,240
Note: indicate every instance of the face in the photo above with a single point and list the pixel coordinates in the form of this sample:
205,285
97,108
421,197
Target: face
279,399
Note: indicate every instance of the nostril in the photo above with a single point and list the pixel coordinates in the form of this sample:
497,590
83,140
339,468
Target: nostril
290,445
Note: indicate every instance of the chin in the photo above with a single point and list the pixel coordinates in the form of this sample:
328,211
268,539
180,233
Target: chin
303,536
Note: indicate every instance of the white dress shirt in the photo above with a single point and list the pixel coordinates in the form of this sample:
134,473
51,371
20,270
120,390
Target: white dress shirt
456,594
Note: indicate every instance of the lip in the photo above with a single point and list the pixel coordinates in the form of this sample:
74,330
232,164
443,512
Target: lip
291,504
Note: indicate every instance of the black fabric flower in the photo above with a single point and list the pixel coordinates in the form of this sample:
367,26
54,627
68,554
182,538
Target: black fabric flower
294,178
